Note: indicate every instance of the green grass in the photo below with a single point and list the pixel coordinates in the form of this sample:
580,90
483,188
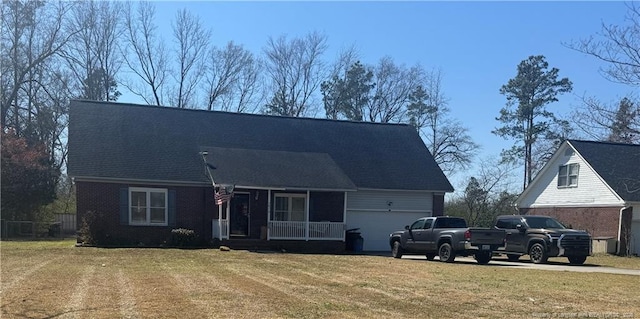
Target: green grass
55,279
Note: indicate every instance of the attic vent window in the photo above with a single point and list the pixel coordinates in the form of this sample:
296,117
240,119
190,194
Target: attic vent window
568,175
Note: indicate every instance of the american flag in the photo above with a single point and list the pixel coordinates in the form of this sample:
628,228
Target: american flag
222,196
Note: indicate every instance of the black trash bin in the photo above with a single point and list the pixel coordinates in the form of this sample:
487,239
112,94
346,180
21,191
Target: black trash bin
353,240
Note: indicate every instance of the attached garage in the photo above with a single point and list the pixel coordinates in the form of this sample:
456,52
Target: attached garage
378,213
375,227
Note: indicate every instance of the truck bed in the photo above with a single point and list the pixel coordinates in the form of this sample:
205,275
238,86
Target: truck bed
486,236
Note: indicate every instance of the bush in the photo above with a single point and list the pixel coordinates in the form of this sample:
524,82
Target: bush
92,230
182,237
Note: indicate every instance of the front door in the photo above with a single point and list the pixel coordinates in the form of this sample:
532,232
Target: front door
240,213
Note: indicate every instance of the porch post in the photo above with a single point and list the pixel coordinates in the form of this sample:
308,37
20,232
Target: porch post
306,216
220,222
344,216
268,214
228,219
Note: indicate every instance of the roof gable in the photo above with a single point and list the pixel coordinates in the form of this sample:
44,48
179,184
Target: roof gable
618,165
544,191
126,141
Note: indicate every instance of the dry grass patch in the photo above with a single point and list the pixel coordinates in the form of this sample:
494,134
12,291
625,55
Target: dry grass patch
173,283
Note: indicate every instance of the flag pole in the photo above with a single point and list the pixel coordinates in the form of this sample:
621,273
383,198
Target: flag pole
213,183
206,167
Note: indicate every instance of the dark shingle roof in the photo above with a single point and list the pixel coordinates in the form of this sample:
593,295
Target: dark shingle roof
275,169
618,164
135,142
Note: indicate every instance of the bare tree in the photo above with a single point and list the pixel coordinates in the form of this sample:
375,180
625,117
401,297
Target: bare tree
619,46
249,88
295,70
33,33
106,46
448,141
232,79
192,43
392,87
145,53
346,57
92,53
616,122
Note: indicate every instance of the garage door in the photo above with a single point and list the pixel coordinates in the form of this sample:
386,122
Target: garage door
375,227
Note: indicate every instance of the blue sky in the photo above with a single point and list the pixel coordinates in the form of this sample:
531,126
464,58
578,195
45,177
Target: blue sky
477,45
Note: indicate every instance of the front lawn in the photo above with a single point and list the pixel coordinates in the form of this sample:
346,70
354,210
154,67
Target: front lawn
57,280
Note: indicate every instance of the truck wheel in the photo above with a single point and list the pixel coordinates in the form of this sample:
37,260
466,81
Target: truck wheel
396,250
431,256
538,254
483,257
446,253
513,257
577,260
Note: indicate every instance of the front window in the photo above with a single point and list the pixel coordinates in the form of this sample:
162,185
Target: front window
289,207
568,175
147,206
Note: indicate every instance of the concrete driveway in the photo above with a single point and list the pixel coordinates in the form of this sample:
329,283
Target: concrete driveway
553,266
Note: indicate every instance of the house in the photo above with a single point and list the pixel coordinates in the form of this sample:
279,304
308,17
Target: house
593,186
297,183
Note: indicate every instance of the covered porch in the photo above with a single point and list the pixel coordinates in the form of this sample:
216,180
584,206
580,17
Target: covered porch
279,195
286,214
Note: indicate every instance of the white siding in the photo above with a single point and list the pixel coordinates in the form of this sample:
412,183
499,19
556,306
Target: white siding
591,190
379,213
394,201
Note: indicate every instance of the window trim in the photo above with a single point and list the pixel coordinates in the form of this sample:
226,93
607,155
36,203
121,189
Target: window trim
148,191
568,175
289,197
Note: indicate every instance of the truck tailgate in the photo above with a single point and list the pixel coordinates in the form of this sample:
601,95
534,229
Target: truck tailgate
487,236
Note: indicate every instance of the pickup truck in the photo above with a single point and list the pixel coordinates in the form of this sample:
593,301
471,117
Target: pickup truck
446,237
542,237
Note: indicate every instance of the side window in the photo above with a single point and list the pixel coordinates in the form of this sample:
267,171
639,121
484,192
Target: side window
428,223
502,223
515,222
418,224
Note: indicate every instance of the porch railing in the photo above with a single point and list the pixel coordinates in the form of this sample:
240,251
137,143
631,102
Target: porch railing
298,230
220,228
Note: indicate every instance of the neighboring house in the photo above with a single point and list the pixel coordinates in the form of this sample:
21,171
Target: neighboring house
298,182
593,186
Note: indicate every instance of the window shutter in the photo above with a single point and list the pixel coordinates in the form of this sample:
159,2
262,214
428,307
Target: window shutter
172,208
124,206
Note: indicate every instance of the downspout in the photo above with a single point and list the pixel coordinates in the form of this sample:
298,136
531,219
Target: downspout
620,228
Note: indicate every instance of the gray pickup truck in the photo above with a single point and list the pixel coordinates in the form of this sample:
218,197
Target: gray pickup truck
542,237
446,237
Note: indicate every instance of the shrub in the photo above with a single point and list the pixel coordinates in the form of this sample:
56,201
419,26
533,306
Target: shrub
92,230
182,237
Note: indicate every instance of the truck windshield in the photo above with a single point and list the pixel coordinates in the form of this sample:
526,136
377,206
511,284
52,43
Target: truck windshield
543,222
450,223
